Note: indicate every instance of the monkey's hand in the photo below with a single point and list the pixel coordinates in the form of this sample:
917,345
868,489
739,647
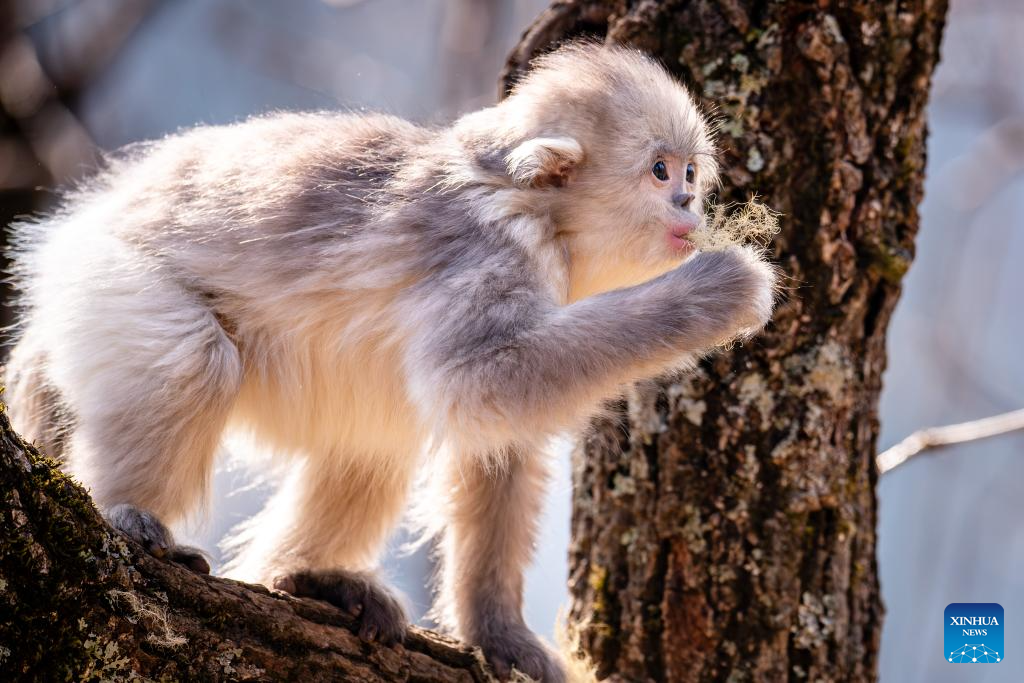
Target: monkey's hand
380,616
517,647
736,288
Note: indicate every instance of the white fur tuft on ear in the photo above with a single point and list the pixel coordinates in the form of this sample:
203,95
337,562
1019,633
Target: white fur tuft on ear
544,162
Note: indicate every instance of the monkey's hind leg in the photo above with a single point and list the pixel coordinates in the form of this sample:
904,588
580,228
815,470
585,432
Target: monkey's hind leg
150,376
37,410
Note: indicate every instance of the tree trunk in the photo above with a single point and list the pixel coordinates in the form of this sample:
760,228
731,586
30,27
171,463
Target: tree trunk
79,602
724,522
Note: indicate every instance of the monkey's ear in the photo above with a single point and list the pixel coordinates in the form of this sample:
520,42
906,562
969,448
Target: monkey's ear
544,162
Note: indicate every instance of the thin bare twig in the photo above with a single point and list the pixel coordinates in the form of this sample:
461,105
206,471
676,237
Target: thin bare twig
936,437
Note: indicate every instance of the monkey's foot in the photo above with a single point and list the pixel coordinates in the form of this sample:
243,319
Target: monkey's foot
518,647
147,530
380,616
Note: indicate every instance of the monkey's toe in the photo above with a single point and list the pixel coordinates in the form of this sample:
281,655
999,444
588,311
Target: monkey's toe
518,648
379,615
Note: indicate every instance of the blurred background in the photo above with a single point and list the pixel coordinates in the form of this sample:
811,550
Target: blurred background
82,75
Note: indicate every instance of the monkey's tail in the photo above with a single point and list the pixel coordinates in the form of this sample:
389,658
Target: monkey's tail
35,405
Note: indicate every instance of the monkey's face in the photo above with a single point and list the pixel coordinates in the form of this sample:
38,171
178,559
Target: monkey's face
621,157
673,194
632,207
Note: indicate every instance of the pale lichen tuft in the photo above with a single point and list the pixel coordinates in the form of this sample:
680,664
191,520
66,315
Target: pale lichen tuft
730,224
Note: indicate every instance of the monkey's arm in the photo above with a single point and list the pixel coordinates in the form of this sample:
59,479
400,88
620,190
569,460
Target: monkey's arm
517,363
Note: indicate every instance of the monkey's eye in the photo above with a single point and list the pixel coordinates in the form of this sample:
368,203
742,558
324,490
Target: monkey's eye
660,171
691,173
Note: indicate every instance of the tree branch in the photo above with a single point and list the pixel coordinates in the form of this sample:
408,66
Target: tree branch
79,601
936,437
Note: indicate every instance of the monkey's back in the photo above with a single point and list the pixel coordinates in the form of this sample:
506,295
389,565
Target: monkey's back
275,227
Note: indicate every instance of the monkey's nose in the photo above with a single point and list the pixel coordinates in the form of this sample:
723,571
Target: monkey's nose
683,199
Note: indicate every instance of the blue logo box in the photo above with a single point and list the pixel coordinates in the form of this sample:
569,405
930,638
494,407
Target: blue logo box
974,633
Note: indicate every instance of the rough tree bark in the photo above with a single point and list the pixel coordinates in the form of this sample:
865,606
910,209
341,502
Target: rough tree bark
724,523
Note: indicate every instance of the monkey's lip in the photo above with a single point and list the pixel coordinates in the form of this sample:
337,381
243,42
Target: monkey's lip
678,237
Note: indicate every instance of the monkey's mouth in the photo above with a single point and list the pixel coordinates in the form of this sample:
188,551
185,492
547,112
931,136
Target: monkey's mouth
678,237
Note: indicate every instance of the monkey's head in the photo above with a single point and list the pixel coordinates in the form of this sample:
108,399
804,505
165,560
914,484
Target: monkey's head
609,145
